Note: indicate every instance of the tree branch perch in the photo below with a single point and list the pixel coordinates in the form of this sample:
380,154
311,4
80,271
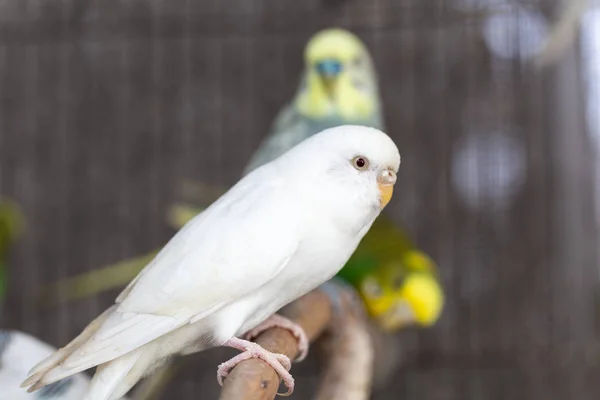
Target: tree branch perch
348,347
256,380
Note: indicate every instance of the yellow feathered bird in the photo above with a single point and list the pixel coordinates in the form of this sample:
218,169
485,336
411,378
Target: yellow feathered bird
397,281
338,87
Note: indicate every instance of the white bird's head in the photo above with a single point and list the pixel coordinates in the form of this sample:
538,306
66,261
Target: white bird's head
358,162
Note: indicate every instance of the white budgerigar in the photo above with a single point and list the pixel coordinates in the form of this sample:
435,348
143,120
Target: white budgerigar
281,231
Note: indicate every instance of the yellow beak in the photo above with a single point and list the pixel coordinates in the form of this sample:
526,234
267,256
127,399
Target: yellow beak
385,181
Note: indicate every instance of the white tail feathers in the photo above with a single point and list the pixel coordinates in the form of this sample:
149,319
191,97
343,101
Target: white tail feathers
108,337
42,374
114,342
119,335
110,380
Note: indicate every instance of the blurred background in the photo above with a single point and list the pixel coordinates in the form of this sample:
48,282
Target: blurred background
107,105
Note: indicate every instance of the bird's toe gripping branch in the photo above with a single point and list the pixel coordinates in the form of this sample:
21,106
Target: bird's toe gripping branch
279,362
278,321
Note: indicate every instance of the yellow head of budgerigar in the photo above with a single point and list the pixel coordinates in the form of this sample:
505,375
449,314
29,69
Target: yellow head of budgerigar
338,79
403,293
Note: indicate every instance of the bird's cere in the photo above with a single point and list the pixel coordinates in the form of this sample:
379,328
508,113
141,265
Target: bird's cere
386,180
387,177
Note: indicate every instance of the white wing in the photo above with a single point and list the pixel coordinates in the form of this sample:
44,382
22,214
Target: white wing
231,249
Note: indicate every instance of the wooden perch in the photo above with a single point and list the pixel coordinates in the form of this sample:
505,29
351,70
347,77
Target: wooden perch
348,349
256,380
350,354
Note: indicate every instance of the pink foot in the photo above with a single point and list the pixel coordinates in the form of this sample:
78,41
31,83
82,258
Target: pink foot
279,321
279,362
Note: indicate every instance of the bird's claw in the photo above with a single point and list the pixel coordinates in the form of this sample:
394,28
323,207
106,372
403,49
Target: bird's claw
279,321
279,362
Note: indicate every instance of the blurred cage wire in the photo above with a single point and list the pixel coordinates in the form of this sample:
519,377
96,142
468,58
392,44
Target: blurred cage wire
106,105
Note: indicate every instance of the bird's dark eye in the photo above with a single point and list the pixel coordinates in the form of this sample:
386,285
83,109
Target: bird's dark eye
398,281
360,163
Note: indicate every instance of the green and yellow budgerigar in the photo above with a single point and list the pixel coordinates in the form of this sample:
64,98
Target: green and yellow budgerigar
398,282
11,226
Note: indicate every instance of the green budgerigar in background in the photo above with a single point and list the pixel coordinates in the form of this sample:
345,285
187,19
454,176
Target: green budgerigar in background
397,282
11,227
